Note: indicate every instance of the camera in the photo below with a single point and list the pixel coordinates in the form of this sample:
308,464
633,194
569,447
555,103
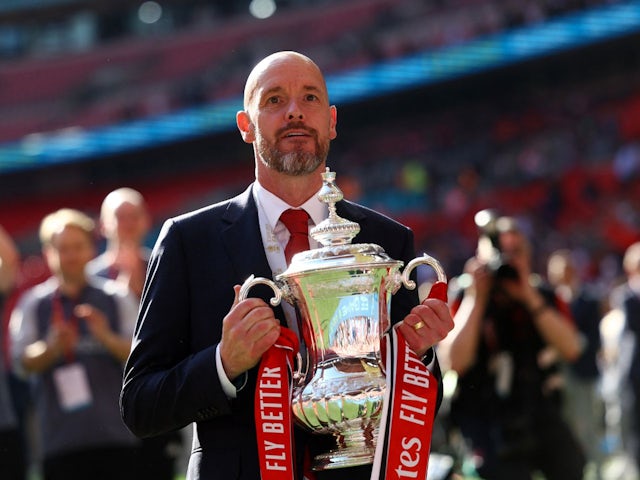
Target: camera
490,224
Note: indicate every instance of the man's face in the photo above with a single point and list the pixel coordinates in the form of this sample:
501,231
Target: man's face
130,223
69,252
288,116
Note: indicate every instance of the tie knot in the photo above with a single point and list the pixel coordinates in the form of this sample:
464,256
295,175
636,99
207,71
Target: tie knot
296,221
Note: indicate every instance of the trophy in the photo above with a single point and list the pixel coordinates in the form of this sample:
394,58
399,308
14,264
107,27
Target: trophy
342,293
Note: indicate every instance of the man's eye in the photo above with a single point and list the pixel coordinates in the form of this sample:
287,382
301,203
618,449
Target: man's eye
311,97
273,100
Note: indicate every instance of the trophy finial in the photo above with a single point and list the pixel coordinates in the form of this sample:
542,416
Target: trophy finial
334,230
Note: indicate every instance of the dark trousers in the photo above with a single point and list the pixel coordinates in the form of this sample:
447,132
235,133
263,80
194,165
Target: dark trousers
107,463
13,463
544,442
635,386
156,457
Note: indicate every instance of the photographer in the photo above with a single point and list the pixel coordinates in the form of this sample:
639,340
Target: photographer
509,331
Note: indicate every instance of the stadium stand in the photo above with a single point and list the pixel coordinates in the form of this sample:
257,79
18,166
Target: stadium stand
543,145
130,76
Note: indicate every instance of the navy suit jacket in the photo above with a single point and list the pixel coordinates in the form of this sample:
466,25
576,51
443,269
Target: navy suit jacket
170,377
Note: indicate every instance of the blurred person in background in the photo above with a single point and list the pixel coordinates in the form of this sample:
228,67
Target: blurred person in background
13,457
197,347
71,336
583,403
9,262
125,223
626,298
507,325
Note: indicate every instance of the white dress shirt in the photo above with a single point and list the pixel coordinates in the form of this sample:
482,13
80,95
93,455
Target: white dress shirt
274,238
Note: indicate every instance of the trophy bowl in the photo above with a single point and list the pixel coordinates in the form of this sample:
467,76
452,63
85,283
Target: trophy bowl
342,294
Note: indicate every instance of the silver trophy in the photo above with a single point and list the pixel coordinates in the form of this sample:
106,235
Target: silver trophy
342,293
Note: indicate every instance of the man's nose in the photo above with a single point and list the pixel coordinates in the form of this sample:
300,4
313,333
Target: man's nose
294,112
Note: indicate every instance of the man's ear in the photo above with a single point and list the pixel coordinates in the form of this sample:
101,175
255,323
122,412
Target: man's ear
245,126
48,253
103,230
333,111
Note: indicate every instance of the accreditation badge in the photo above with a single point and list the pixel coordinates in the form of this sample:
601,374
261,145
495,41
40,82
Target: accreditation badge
72,386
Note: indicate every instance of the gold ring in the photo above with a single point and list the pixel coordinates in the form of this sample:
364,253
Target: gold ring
418,325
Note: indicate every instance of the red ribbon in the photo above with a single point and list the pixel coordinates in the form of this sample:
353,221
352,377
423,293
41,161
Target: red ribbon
58,317
406,426
274,426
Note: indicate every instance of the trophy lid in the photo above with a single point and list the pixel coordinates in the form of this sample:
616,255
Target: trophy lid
335,234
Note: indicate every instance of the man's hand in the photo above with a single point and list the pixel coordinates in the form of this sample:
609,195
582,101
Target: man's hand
426,325
131,268
96,321
62,338
482,279
99,327
248,330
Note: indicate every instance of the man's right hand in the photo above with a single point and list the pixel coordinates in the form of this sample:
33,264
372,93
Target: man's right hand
482,279
248,330
62,339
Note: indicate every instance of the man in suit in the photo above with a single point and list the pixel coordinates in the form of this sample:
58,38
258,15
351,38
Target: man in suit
626,297
70,336
196,346
124,224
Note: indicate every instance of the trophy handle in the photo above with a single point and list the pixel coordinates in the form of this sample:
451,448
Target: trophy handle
438,288
252,281
298,375
301,371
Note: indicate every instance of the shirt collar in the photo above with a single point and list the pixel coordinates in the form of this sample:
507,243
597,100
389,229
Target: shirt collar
273,206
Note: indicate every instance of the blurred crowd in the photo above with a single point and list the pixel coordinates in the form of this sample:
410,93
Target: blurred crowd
541,365
392,27
71,326
566,170
65,338
86,67
561,157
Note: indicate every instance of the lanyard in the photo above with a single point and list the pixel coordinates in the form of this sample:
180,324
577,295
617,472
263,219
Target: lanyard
58,318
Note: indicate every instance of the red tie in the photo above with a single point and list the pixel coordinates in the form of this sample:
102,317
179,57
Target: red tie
297,222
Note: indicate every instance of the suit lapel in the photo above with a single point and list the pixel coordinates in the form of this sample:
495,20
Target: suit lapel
242,239
243,242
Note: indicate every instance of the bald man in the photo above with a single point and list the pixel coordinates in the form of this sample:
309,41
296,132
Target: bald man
196,348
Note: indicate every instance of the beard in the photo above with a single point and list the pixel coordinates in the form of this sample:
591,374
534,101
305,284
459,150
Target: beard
296,163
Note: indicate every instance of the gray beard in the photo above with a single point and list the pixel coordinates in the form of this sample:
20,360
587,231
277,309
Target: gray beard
292,163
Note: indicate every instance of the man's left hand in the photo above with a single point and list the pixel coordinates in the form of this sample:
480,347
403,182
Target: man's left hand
426,325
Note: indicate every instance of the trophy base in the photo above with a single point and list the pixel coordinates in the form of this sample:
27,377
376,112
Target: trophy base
343,457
